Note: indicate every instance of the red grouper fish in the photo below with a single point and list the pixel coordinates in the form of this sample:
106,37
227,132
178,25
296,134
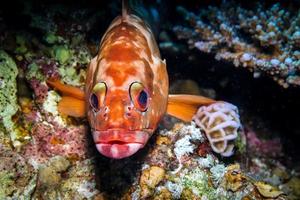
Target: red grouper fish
126,91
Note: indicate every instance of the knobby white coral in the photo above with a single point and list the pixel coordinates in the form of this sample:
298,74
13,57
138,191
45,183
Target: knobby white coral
220,122
184,146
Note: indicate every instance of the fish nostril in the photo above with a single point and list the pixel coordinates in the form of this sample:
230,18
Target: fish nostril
128,112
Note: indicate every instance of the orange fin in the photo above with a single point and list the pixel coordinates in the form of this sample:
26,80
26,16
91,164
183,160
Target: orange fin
184,107
66,89
72,107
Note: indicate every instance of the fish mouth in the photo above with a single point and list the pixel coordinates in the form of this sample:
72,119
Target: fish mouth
120,143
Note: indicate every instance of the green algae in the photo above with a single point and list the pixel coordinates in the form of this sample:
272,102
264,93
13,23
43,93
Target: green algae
62,54
21,42
6,184
9,189
197,181
51,38
8,85
8,99
240,143
35,72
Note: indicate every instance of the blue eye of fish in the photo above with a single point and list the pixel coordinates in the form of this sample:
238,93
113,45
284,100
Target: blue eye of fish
143,98
94,101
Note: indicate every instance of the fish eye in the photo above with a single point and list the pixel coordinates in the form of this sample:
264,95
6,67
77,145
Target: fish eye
139,96
98,95
142,99
94,101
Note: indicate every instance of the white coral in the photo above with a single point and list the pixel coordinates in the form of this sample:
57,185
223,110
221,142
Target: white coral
221,122
184,145
175,189
87,189
50,105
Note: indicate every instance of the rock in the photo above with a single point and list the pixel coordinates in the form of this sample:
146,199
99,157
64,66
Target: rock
49,177
59,163
185,87
292,187
267,190
164,194
149,179
234,179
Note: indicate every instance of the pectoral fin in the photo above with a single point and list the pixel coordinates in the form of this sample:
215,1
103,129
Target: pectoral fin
71,106
66,90
184,107
72,102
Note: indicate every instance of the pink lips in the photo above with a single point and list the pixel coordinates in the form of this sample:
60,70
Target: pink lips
119,143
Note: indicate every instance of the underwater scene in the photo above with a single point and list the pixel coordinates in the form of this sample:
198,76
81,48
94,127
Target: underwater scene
161,99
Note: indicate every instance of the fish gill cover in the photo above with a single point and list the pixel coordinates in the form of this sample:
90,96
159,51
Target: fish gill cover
46,155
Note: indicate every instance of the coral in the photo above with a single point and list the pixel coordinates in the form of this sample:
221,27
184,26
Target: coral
220,122
50,106
262,147
217,173
198,177
49,141
264,40
56,161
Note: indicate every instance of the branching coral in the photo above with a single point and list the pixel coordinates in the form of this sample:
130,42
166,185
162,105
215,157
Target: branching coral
265,40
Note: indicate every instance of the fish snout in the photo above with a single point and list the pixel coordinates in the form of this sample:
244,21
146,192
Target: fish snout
119,143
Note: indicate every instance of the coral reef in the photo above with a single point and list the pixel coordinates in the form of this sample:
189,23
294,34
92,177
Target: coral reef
198,177
263,148
45,155
264,39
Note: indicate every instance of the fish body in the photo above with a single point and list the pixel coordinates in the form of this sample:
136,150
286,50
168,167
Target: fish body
126,91
135,93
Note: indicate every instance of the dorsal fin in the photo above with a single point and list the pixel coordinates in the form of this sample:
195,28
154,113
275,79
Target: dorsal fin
125,9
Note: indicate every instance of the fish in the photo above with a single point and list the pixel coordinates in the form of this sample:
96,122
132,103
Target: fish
126,90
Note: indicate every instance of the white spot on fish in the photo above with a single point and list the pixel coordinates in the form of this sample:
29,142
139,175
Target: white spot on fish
114,151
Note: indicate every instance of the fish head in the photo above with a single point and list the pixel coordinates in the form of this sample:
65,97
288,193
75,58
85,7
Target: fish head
124,111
